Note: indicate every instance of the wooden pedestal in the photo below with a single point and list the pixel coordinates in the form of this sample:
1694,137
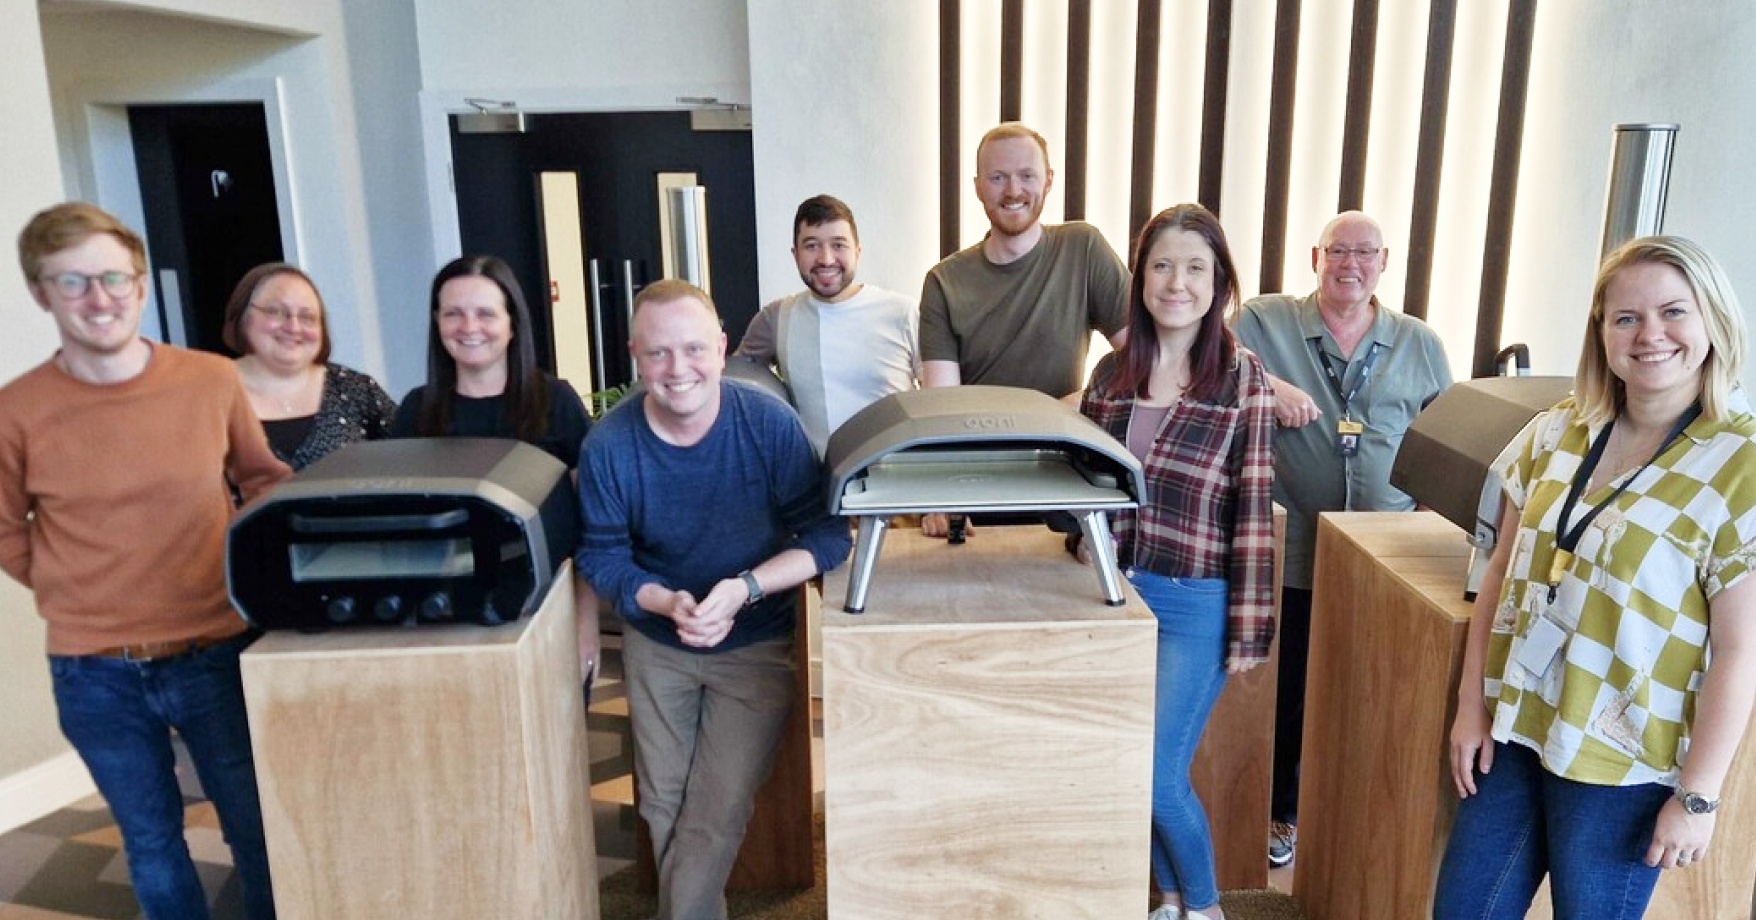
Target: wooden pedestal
987,735
1375,798
437,772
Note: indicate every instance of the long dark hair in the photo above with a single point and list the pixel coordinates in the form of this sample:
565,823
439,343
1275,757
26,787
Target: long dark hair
1210,356
526,399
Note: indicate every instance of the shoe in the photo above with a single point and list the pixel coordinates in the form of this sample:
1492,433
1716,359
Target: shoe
1166,912
1282,838
1193,915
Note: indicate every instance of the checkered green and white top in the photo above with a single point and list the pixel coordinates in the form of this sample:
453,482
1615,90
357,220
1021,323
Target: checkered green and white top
1615,706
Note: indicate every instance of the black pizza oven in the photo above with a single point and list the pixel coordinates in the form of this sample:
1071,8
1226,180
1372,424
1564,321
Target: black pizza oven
426,530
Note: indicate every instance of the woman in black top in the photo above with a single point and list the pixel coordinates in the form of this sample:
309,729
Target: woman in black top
275,321
482,375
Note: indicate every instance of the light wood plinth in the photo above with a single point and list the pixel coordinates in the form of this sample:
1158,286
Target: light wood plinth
987,735
1375,796
438,772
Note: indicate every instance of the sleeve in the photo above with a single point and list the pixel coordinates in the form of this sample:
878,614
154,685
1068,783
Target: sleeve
1518,458
408,414
1250,626
1733,552
911,332
937,340
568,421
801,488
250,464
1103,410
15,508
1247,328
1106,288
606,546
758,343
1440,366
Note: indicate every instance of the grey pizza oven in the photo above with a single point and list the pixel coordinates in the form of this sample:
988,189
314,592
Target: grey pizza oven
1445,459
977,449
418,531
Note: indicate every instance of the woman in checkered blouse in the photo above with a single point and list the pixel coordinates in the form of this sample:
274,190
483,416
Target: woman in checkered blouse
1198,411
1611,661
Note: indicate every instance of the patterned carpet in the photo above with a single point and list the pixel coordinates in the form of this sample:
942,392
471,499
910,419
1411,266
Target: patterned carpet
69,865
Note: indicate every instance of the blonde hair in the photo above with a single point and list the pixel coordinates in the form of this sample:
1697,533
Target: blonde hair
67,225
1009,130
1599,392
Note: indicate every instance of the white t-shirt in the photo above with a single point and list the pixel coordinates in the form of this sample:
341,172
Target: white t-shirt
837,358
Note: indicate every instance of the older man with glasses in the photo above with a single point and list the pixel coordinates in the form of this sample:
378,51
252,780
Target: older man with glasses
1349,377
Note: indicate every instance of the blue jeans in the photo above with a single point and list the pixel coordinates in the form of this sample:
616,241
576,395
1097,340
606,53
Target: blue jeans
119,714
1191,616
1525,822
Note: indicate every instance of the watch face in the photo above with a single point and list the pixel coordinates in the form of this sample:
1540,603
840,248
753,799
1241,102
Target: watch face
1697,804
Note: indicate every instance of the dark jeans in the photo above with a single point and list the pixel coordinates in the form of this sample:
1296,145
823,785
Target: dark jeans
1525,822
119,715
1289,702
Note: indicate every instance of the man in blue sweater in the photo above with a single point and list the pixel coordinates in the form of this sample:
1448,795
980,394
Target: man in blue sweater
703,504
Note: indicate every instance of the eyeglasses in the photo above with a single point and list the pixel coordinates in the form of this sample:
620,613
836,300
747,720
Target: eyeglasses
283,316
1342,253
74,284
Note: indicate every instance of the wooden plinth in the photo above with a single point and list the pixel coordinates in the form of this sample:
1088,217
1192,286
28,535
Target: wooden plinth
436,773
1375,798
778,849
987,735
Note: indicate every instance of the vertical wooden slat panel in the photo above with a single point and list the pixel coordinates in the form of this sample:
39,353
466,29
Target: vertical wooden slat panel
1213,102
950,185
1011,60
1357,118
1280,144
1503,186
1430,155
1071,176
1146,42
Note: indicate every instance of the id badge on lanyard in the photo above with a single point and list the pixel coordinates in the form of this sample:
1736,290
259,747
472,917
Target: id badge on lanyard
1348,429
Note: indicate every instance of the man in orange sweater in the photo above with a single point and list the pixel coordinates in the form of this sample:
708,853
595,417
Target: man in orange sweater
118,458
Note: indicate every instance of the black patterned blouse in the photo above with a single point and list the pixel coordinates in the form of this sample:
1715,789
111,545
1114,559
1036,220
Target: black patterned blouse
353,408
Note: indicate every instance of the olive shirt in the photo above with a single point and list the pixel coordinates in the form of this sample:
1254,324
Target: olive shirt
1026,323
1614,706
1310,477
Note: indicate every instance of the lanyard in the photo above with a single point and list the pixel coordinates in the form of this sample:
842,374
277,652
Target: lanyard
1567,538
1334,376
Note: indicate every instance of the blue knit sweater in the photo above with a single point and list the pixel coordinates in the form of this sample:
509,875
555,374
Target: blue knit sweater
686,517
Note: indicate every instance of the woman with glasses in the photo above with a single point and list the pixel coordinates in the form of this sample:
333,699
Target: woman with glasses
482,374
308,406
1611,662
1197,409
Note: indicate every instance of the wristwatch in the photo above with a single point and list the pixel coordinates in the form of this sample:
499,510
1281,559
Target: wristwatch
1695,803
753,586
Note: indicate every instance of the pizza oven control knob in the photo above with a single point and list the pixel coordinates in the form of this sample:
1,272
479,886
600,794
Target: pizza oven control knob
437,606
342,610
388,609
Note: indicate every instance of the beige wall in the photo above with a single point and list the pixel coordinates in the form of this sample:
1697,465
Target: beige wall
30,182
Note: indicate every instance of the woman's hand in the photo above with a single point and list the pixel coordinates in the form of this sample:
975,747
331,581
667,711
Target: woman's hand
1235,665
1472,746
1679,839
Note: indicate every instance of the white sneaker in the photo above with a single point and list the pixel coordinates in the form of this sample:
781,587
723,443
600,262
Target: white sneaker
1193,915
1167,912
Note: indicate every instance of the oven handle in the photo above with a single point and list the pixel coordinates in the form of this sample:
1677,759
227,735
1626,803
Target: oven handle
378,523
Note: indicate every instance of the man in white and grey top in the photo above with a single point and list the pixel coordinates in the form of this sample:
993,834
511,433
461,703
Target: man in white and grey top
840,345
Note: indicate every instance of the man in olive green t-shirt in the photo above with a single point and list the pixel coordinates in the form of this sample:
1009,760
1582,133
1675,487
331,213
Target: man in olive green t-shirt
1018,308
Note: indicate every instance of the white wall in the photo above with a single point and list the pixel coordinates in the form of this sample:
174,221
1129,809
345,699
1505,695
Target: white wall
1597,65
30,182
848,104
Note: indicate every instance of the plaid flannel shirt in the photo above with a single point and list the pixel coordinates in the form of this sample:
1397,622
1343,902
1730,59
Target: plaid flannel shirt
1208,508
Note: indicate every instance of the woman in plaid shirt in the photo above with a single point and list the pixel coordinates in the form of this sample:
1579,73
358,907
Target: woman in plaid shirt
1198,411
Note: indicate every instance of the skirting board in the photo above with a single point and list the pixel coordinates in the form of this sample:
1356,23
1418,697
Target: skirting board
34,792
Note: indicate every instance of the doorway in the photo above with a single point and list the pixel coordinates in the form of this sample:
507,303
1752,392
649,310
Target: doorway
618,159
207,189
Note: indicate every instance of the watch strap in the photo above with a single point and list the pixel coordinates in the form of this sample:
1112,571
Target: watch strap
753,586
